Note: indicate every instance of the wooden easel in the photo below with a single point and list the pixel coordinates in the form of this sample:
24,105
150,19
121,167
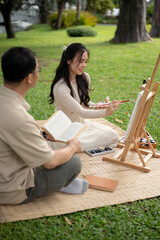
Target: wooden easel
137,130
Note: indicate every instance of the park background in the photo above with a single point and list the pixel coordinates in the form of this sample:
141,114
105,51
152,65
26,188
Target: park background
117,71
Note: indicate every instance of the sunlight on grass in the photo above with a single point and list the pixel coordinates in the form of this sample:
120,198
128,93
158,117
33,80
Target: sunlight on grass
116,71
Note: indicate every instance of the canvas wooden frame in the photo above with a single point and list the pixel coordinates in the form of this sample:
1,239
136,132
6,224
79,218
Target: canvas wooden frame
136,130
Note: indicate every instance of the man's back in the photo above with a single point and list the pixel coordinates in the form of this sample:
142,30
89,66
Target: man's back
21,147
11,165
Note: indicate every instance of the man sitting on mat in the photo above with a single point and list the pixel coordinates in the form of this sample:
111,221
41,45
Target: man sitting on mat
28,167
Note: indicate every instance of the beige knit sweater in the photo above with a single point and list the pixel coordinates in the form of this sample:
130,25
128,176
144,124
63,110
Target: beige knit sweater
71,106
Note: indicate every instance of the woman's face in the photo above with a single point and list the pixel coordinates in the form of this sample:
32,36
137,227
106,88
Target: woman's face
78,64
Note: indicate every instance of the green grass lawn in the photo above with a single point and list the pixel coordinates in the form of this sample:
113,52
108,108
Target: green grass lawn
116,71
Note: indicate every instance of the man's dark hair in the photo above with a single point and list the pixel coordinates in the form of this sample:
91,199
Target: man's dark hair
17,63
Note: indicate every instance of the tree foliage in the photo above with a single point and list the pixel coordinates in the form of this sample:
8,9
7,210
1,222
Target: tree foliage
69,19
116,3
99,6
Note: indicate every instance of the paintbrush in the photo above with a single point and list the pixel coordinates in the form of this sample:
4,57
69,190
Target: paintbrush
106,104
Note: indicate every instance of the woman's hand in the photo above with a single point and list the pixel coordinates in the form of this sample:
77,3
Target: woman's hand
112,106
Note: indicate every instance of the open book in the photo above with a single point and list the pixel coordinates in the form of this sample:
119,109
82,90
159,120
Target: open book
60,128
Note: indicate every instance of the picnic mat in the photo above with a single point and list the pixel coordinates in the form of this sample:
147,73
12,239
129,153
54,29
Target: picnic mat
133,185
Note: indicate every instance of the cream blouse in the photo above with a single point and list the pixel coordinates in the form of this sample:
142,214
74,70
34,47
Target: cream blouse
71,106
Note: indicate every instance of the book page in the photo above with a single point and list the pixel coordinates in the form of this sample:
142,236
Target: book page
57,123
71,131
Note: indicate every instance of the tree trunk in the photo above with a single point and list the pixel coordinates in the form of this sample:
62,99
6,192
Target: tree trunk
60,12
88,5
6,13
132,22
43,11
78,9
94,6
83,5
155,29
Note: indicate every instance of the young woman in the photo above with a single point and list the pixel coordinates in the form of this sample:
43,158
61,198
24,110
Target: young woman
70,92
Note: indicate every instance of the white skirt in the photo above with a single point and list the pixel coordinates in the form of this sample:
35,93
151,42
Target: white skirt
95,135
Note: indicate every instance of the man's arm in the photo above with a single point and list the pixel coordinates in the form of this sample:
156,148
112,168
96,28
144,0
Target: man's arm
62,155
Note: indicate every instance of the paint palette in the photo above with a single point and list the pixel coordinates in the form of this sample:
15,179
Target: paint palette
99,151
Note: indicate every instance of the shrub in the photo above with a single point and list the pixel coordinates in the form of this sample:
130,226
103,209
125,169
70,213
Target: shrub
87,18
106,19
81,31
69,19
52,19
101,18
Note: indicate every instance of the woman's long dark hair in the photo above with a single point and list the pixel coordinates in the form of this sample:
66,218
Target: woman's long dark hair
62,71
